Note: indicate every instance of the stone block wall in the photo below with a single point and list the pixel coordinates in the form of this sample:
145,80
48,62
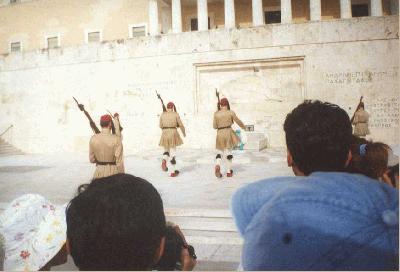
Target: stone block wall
264,71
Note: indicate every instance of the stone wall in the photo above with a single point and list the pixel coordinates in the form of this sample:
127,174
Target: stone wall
264,71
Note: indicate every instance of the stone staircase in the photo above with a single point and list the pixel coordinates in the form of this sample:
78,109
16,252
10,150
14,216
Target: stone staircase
213,234
7,149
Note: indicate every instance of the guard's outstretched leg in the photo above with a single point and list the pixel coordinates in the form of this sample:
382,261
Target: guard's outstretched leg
173,170
218,166
164,161
229,158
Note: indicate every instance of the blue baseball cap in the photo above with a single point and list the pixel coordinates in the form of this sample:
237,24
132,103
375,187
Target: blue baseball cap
327,221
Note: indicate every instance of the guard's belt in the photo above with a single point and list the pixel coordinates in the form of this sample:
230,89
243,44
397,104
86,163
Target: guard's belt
168,127
105,163
224,127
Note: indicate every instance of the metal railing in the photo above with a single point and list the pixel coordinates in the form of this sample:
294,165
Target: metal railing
6,130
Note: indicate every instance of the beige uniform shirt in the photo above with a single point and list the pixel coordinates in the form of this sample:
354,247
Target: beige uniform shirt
226,137
106,147
169,122
360,123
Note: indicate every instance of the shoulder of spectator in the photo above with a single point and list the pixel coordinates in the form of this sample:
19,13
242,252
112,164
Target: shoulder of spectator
250,198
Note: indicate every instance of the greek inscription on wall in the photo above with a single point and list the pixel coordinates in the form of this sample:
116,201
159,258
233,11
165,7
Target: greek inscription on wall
359,77
384,112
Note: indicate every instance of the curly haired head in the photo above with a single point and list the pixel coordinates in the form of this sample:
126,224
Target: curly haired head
318,136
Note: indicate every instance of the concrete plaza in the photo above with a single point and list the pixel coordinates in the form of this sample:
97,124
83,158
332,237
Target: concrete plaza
196,200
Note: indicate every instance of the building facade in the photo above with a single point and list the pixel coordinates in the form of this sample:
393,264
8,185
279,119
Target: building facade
27,25
266,56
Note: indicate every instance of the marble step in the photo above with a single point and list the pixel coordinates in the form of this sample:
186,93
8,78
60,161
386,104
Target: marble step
8,149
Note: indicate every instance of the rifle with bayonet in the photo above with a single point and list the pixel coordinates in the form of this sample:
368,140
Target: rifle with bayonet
162,102
358,106
112,123
91,122
219,102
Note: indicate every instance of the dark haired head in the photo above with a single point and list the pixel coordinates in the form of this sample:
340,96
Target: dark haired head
117,223
318,137
369,158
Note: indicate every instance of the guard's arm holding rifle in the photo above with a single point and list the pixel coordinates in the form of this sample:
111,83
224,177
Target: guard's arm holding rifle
219,102
119,157
162,102
115,125
354,114
91,122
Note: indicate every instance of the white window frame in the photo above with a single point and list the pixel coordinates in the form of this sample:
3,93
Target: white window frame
87,31
46,45
9,46
137,25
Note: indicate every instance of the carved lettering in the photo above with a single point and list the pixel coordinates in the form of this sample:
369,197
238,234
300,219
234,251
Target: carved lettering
384,112
360,77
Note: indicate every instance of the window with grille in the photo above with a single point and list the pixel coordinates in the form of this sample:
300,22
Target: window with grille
52,42
94,36
360,10
272,17
14,1
138,31
15,47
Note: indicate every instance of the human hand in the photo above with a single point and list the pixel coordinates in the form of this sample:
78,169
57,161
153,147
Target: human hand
188,262
386,178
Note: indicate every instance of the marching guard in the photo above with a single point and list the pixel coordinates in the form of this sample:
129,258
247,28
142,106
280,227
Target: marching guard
226,137
105,148
170,139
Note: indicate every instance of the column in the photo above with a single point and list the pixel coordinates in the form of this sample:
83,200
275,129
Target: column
315,10
258,16
345,9
286,11
376,8
229,7
202,15
176,16
153,17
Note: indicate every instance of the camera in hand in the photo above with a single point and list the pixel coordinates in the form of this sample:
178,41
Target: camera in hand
171,259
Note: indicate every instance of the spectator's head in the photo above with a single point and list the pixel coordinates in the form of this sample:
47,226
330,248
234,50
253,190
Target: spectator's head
35,234
105,121
318,137
117,223
370,159
393,167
